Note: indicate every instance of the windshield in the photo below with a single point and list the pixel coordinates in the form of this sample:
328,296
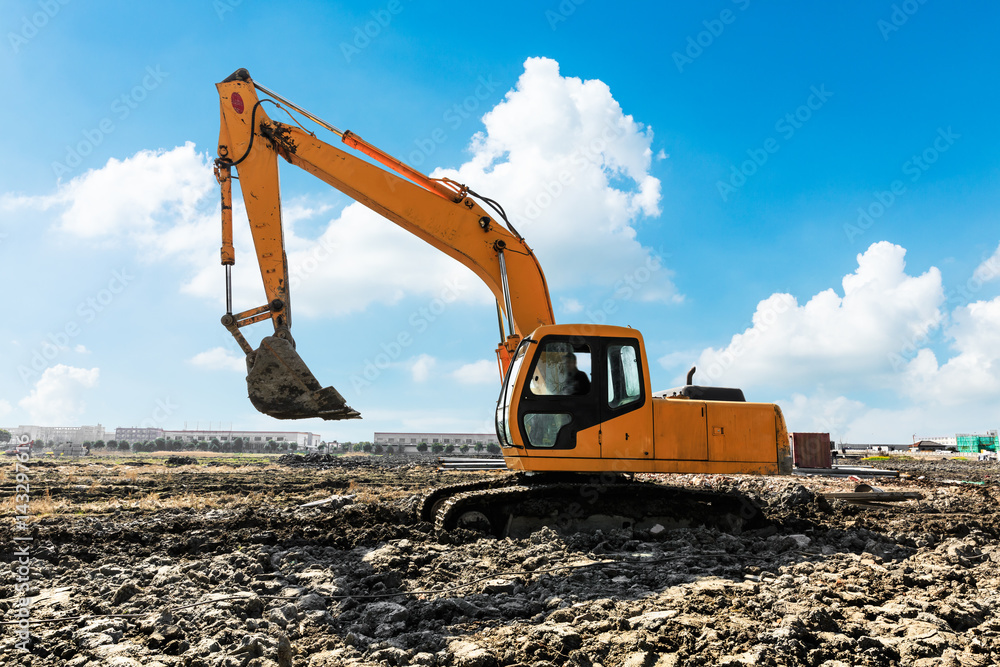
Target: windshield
562,369
507,394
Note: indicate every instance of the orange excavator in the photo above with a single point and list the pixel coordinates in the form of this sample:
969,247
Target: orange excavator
574,398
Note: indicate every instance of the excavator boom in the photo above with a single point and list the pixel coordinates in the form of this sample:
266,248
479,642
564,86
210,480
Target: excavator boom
440,212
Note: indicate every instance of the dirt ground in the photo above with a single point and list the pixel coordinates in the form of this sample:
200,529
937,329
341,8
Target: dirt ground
215,563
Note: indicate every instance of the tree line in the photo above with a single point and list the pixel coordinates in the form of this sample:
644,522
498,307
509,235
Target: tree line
240,445
234,446
423,447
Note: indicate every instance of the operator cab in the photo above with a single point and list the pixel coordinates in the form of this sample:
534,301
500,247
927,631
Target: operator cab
562,383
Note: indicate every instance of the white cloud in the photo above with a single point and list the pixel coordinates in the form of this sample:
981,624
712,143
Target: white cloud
852,421
478,372
421,366
81,349
380,262
220,359
141,197
558,152
58,396
163,203
989,269
5,408
821,413
880,425
572,170
872,341
571,306
973,374
430,421
292,213
679,359
845,341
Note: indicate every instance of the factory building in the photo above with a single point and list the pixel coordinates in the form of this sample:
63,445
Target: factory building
409,441
969,443
59,435
253,440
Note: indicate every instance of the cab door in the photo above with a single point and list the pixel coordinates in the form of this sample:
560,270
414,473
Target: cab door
626,414
558,411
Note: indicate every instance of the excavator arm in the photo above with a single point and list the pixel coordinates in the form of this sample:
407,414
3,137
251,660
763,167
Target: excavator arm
439,211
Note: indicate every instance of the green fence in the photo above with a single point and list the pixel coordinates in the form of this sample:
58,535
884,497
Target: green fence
977,443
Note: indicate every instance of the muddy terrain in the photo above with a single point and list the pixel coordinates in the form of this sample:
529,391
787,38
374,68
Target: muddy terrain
216,563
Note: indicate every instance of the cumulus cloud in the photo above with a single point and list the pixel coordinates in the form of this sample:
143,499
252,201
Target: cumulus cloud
219,359
973,373
678,360
875,337
571,306
558,152
421,367
852,421
572,170
142,197
576,196
822,413
838,340
990,268
443,420
478,372
58,396
162,204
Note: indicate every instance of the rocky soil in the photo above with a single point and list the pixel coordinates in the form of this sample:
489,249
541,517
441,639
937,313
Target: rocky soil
218,564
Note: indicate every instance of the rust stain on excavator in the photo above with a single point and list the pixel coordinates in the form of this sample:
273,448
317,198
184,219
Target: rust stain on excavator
279,136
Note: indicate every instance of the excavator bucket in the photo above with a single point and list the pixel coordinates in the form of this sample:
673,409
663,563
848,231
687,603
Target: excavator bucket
281,385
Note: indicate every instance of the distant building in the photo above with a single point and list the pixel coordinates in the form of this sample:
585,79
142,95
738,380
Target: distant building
60,435
137,434
409,441
970,443
931,446
872,447
253,440
975,443
944,440
77,435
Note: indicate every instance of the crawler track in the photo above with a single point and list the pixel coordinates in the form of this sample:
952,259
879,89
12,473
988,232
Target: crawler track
518,510
432,502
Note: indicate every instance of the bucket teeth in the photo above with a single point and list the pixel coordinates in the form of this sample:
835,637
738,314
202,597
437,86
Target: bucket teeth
280,385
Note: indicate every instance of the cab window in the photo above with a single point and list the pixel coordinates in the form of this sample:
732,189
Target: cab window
543,428
624,378
562,369
507,395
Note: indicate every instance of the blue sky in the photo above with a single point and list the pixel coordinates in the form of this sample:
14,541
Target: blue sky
814,186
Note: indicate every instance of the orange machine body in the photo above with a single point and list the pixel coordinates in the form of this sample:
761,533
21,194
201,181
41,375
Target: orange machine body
546,423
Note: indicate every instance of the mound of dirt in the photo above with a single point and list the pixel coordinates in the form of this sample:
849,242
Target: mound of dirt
180,461
317,461
966,469
270,583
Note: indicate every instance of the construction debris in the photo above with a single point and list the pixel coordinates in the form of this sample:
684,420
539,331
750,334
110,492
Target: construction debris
233,571
479,463
880,496
847,471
